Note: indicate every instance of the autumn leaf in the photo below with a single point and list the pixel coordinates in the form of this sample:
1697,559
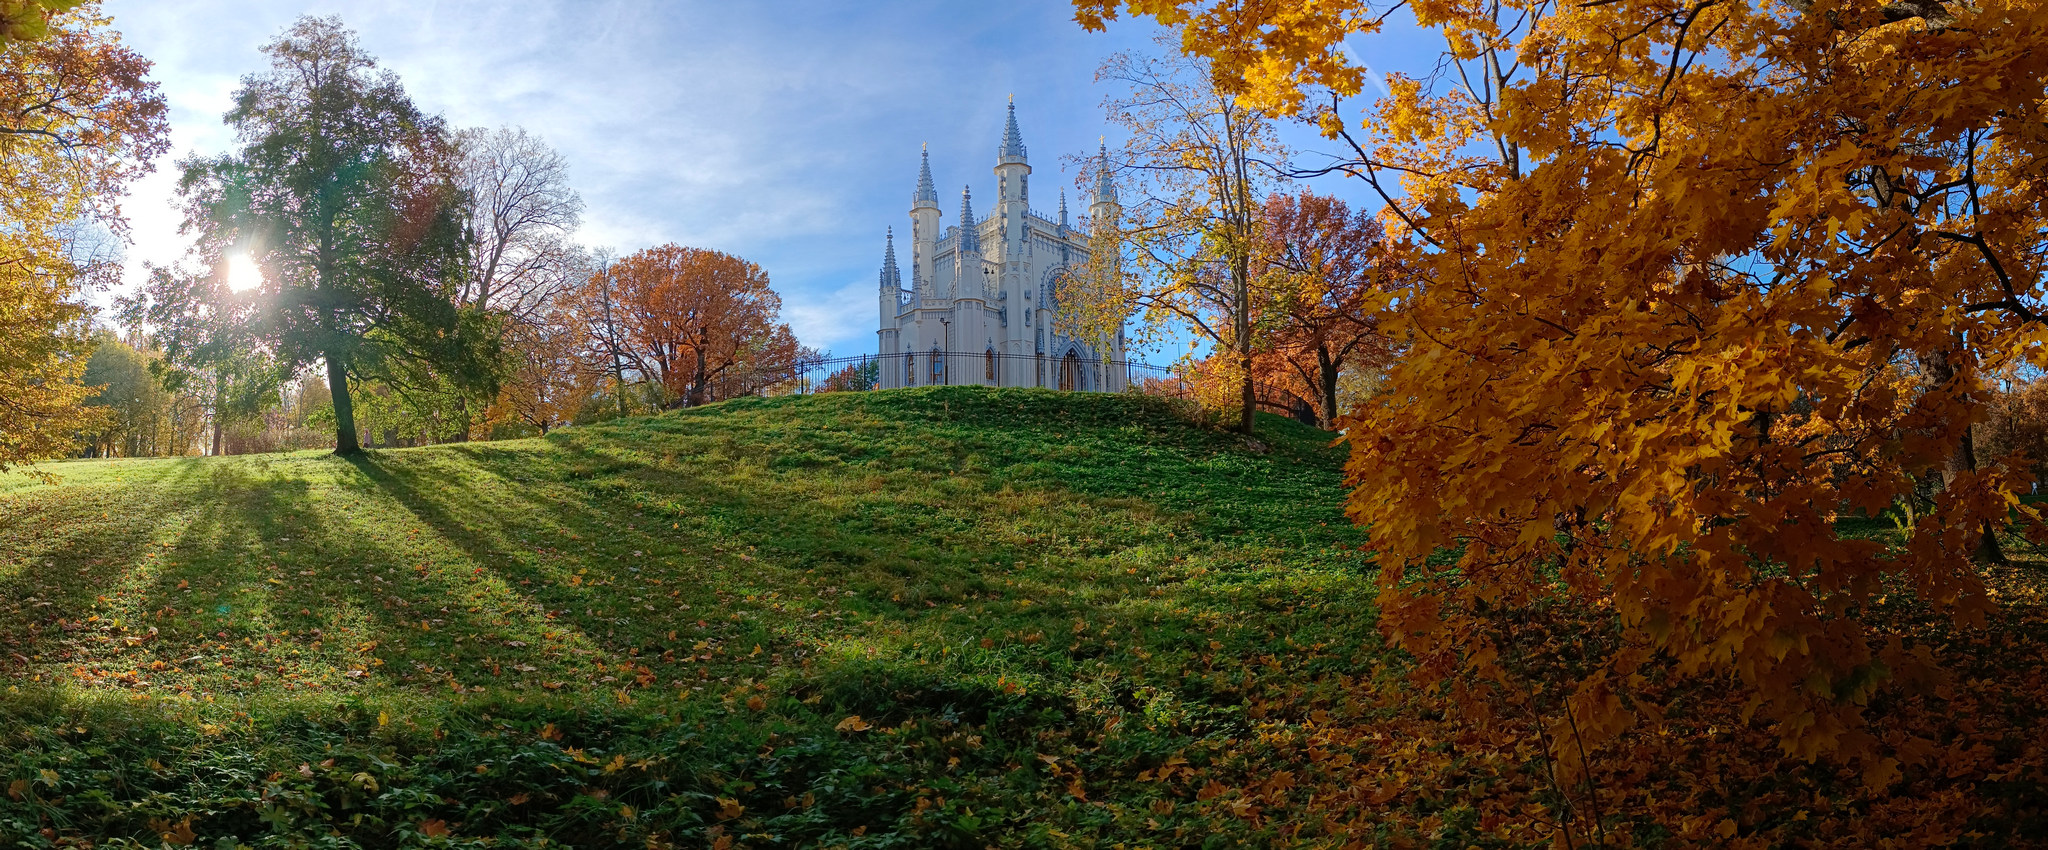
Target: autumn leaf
180,834
729,808
852,724
435,828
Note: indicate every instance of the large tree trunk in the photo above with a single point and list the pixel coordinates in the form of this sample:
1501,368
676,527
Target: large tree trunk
1326,389
345,442
1965,459
698,376
220,392
1941,370
1240,272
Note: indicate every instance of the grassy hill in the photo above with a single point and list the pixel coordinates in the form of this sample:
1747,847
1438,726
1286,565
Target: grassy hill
918,618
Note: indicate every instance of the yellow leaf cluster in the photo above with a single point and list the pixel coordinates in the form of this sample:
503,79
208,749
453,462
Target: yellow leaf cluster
1695,281
78,120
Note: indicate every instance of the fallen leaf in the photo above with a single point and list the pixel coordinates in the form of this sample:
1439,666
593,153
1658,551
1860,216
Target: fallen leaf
729,808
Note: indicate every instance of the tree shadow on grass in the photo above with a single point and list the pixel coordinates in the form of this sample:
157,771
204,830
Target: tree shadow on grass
72,544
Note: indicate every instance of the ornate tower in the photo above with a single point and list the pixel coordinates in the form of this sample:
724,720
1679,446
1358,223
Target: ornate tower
1013,183
891,285
1104,211
967,282
1105,215
924,227
1013,206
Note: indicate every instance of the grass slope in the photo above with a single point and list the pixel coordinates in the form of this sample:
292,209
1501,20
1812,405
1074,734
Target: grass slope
918,618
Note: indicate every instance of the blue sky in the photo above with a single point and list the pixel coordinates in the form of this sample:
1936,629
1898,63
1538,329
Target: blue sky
783,132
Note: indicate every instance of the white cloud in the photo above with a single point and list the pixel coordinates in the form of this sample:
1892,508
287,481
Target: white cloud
841,321
786,133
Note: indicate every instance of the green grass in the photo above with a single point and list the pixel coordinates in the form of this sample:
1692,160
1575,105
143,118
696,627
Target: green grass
654,631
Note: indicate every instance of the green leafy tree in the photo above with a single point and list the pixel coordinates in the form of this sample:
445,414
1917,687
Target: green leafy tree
132,397
342,192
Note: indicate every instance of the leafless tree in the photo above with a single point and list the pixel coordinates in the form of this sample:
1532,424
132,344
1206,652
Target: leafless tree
521,220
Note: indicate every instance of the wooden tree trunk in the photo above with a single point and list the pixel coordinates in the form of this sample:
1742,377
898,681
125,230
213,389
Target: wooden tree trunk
1941,370
1326,389
345,442
697,378
1240,272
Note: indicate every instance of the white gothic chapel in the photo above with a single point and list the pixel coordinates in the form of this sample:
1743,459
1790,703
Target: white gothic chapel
986,315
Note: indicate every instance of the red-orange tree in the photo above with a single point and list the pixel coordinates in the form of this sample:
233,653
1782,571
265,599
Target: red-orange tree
1324,267
702,324
1674,250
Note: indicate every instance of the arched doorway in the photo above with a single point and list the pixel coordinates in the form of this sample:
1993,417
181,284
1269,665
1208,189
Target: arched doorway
1070,371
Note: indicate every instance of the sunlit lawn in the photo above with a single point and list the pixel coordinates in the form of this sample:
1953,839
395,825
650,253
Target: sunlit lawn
992,581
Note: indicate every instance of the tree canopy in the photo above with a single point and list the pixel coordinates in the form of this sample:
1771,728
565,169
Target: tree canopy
1695,279
702,324
79,121
344,193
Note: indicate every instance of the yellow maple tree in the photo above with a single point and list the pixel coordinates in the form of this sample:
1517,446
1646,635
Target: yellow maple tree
1677,260
79,120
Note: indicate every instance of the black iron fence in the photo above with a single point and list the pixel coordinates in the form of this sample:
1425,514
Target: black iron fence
996,369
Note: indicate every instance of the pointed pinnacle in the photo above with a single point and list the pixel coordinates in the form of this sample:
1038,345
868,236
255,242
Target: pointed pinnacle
925,190
970,236
892,279
1104,189
1013,141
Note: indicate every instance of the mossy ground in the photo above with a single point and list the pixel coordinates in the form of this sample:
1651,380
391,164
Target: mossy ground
933,617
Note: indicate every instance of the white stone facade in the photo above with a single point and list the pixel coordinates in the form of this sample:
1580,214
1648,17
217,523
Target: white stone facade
980,309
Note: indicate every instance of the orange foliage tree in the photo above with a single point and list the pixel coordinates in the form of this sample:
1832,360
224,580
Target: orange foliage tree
1324,267
548,379
702,324
1672,255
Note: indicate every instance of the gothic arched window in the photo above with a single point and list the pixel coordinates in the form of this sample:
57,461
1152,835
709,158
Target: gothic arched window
909,369
989,363
938,367
1070,371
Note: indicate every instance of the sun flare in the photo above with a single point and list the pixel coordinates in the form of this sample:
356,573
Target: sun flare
243,273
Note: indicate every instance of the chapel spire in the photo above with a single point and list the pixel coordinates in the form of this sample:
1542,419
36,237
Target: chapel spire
925,190
970,235
1013,141
892,279
1063,208
1105,190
